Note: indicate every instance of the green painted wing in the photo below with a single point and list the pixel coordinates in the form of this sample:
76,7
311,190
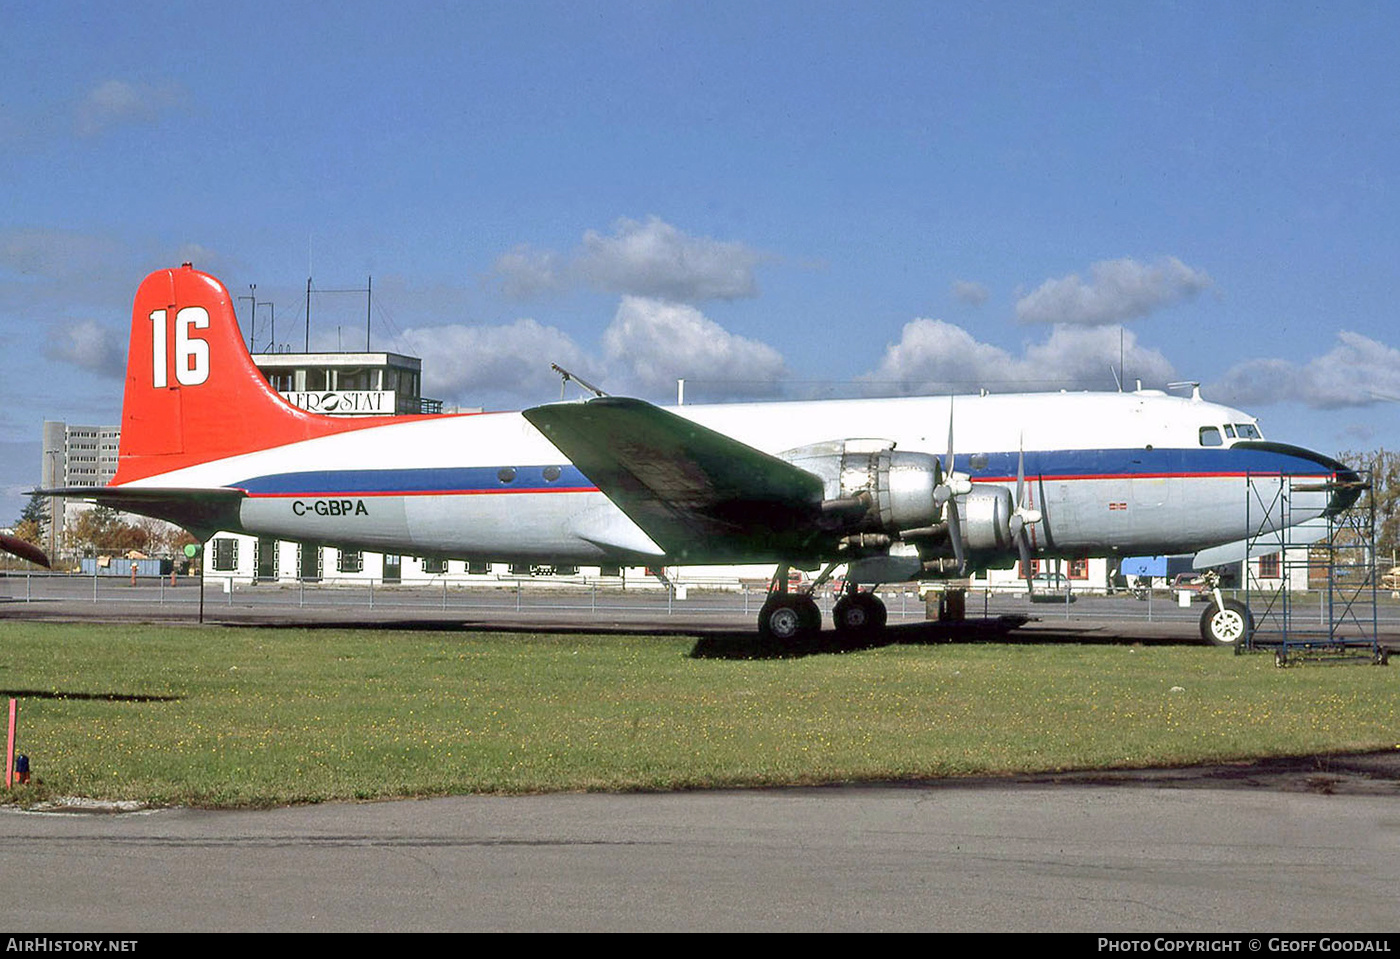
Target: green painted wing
700,495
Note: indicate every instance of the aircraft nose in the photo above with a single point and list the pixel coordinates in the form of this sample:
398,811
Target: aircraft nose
1343,484
1347,487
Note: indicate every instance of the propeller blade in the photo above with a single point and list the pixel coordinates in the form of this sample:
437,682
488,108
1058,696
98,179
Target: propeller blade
955,535
948,464
1021,472
1023,546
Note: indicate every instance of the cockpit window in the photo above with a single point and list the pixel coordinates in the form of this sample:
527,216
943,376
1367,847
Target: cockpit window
1229,431
1210,436
1248,431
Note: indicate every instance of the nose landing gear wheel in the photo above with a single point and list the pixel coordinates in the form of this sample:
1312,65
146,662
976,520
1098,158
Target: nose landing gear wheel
1227,625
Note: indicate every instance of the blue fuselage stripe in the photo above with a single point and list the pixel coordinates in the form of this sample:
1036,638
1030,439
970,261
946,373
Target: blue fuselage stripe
418,482
1059,465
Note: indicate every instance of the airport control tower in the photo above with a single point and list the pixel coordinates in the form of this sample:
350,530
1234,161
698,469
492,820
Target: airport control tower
349,384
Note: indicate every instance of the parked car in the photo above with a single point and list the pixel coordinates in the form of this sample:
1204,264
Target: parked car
1192,583
1051,588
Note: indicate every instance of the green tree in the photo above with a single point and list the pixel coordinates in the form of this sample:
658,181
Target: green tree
1384,468
102,530
33,519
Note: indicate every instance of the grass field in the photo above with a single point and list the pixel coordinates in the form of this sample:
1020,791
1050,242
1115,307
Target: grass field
227,716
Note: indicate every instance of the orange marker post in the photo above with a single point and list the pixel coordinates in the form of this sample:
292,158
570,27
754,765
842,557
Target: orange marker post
10,744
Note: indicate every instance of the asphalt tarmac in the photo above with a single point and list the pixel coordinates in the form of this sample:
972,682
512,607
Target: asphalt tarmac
1235,856
1307,845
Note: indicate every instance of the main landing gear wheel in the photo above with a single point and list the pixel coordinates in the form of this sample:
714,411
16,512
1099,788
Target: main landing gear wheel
859,614
789,618
1229,625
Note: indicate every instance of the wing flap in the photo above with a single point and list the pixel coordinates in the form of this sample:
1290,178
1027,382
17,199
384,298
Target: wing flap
697,493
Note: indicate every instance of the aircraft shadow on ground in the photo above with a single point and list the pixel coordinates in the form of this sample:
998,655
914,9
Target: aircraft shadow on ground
741,643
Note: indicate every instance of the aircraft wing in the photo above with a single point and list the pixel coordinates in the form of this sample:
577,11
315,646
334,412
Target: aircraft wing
694,491
201,511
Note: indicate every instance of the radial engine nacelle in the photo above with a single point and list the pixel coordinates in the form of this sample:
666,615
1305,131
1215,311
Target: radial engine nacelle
871,486
986,520
876,495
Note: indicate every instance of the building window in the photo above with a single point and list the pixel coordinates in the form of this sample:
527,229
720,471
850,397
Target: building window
1079,569
1269,566
225,554
478,567
1021,570
350,561
434,565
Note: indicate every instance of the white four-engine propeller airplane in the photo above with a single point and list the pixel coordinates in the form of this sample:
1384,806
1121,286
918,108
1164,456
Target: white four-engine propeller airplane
896,489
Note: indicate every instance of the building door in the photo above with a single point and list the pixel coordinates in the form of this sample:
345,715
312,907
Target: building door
393,568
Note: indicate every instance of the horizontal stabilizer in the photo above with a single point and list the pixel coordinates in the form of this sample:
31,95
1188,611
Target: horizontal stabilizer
201,511
695,492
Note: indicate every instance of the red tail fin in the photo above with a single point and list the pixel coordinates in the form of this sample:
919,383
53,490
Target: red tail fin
193,393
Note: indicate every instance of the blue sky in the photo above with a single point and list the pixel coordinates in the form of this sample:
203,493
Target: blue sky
805,199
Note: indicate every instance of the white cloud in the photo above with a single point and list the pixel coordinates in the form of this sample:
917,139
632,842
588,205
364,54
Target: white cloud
651,259
116,102
934,356
651,343
88,346
525,272
493,365
1117,290
1358,371
973,294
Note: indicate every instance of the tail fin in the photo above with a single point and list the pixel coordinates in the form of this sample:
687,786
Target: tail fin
193,393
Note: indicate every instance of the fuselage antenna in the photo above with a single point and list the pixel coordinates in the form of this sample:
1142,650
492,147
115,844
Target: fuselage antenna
566,376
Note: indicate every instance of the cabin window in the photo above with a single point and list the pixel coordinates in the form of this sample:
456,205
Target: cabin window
506,474
1210,436
552,473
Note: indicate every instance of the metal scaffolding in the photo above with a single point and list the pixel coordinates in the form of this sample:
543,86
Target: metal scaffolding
1310,586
